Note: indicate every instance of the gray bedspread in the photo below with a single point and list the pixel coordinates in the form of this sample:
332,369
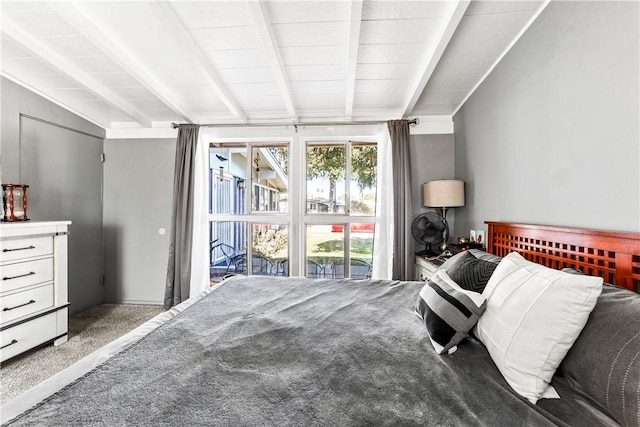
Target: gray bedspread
273,351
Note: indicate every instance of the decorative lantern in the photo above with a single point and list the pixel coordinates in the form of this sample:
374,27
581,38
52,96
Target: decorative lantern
14,202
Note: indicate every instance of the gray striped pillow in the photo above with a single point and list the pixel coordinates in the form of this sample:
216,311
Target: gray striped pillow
448,311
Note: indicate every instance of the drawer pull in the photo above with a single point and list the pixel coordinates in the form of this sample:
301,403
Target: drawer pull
31,273
11,343
19,249
18,306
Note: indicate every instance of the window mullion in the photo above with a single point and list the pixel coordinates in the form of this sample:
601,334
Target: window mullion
347,209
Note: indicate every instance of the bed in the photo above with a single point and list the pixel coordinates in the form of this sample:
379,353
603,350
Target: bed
292,351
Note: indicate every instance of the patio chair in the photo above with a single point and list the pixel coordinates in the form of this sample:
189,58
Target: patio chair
359,269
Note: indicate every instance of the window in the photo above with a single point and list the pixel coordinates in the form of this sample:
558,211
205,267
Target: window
340,182
298,207
247,175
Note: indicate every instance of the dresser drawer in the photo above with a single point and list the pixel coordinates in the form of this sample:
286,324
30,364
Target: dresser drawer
21,274
25,248
25,303
27,335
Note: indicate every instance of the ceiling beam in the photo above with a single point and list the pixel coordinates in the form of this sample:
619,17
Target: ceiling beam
447,31
352,56
83,20
190,46
43,52
270,44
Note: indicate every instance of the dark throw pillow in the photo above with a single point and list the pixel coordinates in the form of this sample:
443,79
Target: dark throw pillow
448,311
471,273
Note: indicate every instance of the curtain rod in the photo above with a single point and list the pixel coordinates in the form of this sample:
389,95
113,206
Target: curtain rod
296,124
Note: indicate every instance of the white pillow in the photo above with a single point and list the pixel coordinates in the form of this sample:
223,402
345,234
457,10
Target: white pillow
533,316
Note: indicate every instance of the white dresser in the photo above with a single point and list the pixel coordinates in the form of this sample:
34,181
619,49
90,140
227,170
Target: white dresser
33,285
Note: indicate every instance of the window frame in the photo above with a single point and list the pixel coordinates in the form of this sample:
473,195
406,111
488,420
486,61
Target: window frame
296,218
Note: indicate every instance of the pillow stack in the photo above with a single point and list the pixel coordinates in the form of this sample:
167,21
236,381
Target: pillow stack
528,316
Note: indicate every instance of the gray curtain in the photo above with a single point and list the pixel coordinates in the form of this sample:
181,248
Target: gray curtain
179,265
403,265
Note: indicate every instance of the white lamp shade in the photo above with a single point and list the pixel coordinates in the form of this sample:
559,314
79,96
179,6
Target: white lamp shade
448,193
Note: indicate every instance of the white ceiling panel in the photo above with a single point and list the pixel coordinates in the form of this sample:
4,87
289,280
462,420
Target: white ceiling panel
446,97
22,6
381,86
136,63
316,72
378,101
42,22
27,67
400,31
226,38
77,94
213,14
385,71
255,89
505,6
247,75
99,64
311,34
127,18
305,12
260,104
206,105
383,10
70,46
112,80
391,53
57,81
317,87
313,55
11,50
149,104
239,58
320,101
132,93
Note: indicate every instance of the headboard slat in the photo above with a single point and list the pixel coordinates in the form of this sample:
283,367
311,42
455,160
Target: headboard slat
612,255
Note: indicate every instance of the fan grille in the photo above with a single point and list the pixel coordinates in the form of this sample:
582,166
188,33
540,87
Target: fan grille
428,229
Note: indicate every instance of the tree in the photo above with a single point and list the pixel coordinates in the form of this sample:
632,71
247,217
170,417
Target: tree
329,162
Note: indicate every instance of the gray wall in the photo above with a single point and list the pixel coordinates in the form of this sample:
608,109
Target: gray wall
138,191
432,158
57,154
552,135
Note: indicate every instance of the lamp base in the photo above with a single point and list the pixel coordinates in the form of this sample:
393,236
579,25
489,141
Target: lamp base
445,232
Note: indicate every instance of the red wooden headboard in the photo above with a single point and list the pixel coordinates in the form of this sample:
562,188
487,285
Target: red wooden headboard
612,255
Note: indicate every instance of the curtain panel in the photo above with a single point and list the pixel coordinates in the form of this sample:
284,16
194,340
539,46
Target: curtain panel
384,231
181,238
403,264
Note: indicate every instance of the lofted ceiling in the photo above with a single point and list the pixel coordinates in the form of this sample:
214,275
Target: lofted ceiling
144,64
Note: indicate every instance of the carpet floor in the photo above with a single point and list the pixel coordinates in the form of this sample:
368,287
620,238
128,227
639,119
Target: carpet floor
88,331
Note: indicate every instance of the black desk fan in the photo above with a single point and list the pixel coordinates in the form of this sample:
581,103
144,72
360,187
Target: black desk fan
428,229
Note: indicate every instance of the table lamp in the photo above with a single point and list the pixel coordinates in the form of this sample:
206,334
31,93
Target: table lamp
444,194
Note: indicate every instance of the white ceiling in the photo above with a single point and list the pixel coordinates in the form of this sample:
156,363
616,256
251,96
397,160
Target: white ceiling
146,64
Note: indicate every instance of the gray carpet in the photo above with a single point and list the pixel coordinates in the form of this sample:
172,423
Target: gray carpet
88,331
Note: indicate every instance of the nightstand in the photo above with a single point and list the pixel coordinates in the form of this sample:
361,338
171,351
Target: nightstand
425,267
